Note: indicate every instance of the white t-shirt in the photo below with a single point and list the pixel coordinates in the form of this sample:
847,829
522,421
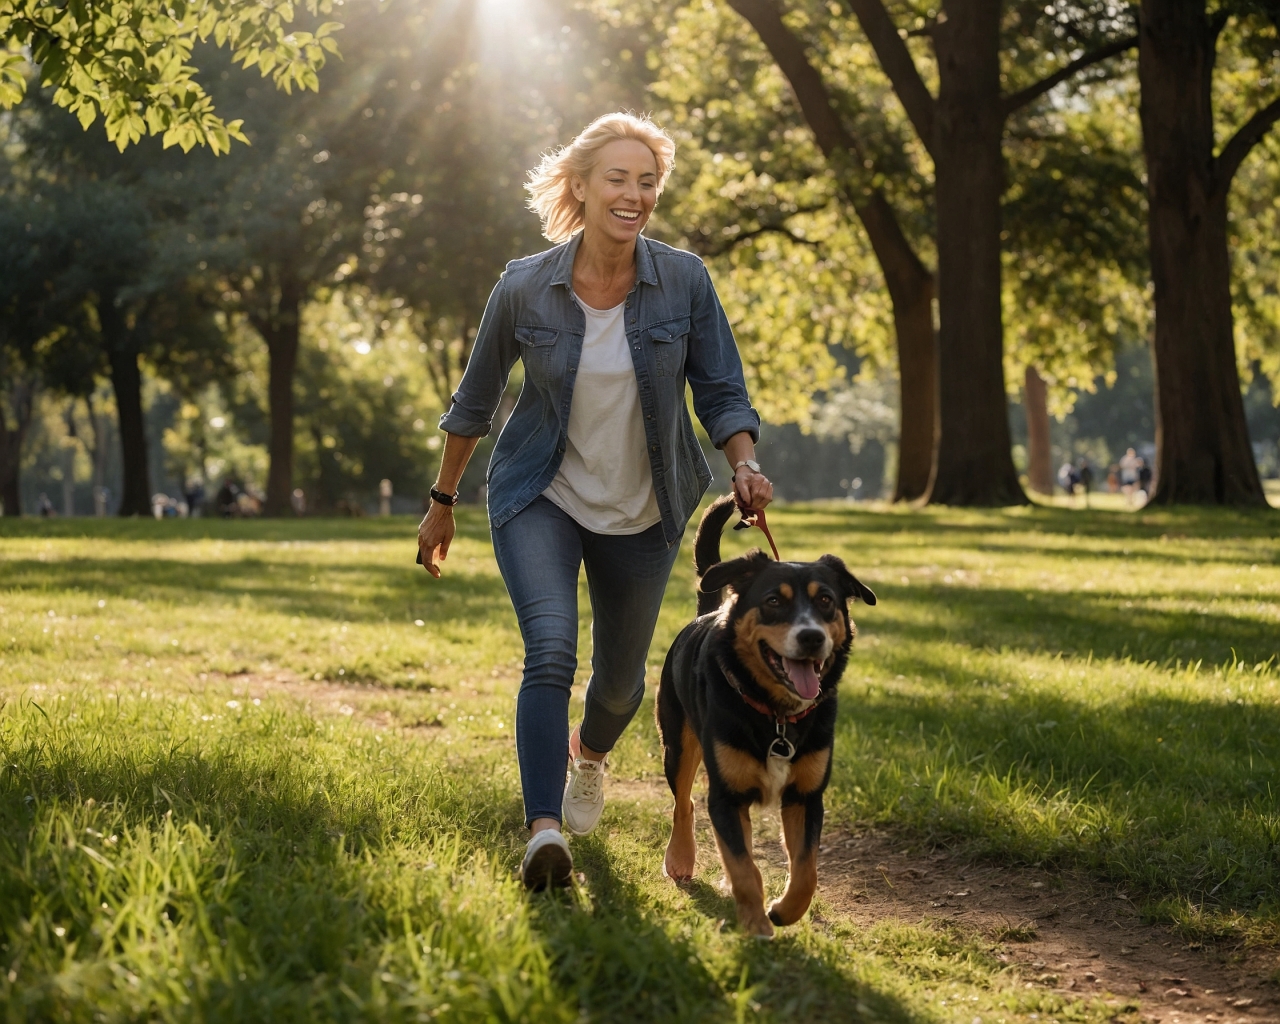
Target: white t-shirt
604,481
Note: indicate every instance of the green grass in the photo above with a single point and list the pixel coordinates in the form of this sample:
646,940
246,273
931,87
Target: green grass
195,826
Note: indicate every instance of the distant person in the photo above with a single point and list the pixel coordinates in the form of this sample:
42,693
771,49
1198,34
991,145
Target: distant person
1129,463
1085,472
298,501
47,511
1144,476
193,495
226,499
598,463
1113,479
1068,478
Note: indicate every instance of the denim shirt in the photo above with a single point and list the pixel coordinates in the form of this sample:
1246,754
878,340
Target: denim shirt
676,331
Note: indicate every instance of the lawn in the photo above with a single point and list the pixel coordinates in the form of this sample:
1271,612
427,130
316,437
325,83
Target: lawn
264,771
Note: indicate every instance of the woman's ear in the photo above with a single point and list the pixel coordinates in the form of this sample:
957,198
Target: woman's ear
578,187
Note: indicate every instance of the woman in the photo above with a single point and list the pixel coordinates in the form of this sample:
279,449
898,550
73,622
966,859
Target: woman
598,462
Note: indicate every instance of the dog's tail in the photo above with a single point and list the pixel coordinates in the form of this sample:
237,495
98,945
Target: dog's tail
706,546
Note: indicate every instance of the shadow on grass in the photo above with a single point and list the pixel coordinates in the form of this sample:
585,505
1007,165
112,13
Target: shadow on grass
369,593
1170,793
1071,623
626,965
230,890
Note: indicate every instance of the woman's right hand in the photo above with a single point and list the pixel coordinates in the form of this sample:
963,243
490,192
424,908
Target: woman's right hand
435,534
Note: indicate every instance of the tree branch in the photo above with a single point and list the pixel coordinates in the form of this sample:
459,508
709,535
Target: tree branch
899,65
1249,135
1022,97
743,236
806,82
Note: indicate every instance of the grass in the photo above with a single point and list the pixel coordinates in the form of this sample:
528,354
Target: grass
195,826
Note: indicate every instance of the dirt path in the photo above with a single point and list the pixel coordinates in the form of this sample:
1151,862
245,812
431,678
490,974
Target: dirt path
1060,930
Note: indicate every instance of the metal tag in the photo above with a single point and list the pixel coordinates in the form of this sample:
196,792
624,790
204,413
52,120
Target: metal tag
782,748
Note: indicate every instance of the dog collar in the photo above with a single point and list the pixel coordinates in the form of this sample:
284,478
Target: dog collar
760,706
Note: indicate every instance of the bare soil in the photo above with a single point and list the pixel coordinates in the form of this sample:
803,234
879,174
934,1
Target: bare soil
1059,930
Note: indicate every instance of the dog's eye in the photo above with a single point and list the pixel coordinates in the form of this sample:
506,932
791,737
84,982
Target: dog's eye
824,600
773,601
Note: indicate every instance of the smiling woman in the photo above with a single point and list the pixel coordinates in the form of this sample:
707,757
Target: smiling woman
598,463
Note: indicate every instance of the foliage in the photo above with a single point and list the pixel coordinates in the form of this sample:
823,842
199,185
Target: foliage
130,61
199,758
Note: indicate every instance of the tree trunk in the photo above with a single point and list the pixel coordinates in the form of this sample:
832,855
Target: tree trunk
910,284
1203,455
1035,402
910,288
282,347
126,380
974,463
20,393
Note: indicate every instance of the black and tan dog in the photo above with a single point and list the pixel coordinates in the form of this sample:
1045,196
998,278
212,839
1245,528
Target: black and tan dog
749,688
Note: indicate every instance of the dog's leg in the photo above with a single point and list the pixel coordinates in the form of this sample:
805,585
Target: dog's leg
732,825
802,829
681,766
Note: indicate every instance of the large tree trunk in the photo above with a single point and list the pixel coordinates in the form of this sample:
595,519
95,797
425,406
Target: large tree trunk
974,460
126,381
910,283
19,395
1203,454
1035,402
282,347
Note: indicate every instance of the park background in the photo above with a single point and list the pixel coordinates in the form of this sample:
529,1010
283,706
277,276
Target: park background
358,235
262,768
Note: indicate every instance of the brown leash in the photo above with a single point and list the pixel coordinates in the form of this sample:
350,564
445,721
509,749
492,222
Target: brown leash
755,517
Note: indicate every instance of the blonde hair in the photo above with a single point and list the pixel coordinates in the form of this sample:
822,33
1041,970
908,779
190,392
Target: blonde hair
550,184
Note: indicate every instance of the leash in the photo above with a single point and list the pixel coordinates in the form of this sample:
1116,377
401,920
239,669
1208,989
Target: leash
755,517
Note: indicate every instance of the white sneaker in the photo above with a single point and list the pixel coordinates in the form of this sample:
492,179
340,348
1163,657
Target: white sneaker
583,795
547,861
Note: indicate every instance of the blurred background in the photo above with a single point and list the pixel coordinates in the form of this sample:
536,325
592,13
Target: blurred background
177,321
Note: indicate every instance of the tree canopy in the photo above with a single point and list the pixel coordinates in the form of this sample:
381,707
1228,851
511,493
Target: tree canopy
129,62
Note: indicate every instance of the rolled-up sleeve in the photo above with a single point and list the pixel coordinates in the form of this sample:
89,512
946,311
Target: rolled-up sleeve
713,368
471,412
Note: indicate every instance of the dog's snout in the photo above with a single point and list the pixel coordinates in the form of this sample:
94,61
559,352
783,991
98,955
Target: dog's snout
811,640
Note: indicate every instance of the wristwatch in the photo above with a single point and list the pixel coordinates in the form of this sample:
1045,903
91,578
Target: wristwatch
442,498
751,464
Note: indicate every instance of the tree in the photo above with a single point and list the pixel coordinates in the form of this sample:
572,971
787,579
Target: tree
130,62
859,172
1202,438
836,82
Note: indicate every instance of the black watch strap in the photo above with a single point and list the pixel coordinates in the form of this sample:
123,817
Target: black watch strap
444,499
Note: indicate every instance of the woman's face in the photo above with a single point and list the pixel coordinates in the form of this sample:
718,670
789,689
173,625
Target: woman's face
621,191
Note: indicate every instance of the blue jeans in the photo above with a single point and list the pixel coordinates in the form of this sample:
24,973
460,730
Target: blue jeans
539,552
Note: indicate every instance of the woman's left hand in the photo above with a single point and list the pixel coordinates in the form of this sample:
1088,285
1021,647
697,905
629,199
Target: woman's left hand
752,489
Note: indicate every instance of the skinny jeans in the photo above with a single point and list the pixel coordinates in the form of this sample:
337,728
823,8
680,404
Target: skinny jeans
539,553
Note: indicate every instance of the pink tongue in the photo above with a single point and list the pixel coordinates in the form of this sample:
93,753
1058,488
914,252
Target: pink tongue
803,677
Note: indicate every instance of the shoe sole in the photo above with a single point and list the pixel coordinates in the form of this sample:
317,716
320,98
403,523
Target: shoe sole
549,867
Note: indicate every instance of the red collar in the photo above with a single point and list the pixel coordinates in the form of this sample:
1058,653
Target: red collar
760,706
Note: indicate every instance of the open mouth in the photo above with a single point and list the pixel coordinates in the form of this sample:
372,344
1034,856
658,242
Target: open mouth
630,216
803,676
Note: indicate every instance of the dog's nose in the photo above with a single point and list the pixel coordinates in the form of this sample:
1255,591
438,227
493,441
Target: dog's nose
811,639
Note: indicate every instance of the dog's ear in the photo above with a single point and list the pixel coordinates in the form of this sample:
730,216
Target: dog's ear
852,586
736,573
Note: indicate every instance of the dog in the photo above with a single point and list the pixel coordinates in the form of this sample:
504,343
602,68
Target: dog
749,689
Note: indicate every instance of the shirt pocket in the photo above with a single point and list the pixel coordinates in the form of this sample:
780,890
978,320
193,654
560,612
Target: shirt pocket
539,353
670,343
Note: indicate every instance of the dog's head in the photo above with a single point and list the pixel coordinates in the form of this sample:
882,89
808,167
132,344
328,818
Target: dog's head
789,620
